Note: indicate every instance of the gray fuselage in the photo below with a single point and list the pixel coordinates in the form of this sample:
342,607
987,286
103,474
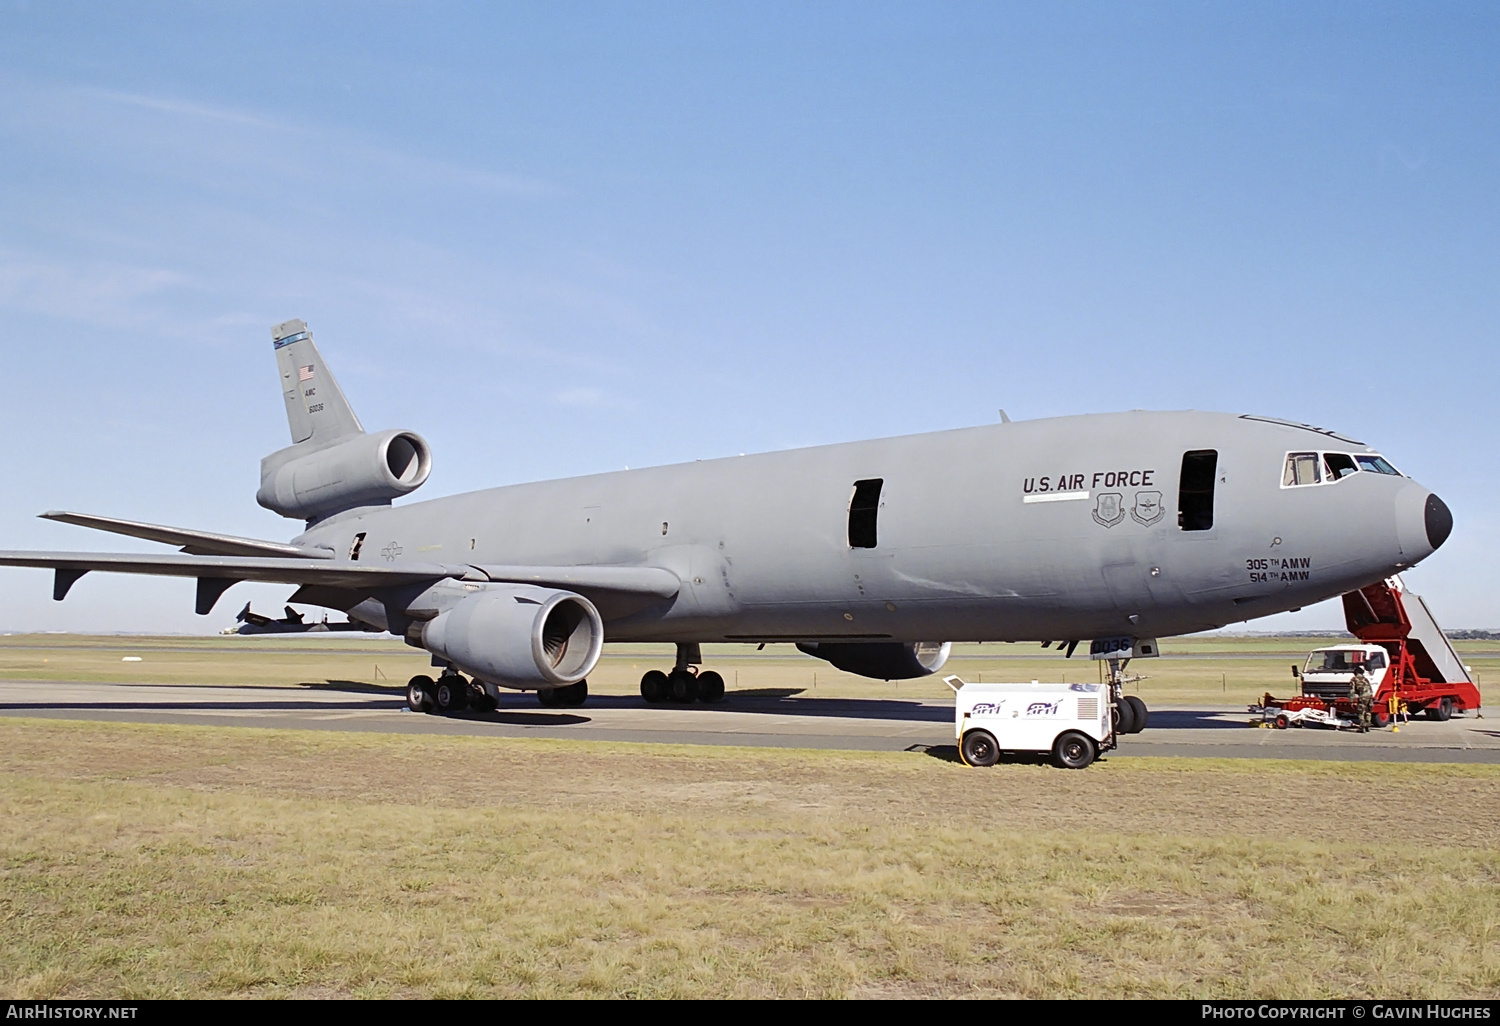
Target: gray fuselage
1063,528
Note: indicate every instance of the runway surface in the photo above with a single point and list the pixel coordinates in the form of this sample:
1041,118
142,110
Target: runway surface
744,718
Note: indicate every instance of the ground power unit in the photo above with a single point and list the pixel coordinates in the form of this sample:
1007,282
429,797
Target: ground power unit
1071,722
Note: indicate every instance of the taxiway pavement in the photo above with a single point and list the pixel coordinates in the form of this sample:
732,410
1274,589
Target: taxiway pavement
744,718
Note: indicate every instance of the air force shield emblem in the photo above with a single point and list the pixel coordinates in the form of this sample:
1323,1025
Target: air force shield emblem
1108,509
1147,509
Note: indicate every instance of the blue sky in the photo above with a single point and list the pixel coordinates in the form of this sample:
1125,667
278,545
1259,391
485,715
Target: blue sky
562,238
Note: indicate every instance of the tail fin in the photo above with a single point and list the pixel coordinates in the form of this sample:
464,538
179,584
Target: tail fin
316,408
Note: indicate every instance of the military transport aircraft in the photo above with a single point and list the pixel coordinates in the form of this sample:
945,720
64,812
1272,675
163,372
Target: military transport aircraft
871,555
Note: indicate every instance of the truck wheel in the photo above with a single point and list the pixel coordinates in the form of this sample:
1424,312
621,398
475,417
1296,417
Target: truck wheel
1072,750
419,693
1141,713
980,748
1380,716
1282,722
1443,710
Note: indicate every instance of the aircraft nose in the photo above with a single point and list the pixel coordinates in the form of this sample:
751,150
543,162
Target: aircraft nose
1439,521
1423,522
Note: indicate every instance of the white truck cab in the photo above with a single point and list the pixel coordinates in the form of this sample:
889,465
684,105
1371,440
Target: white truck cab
1071,721
1329,670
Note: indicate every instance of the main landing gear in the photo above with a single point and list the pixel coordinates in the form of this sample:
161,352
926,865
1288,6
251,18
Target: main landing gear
450,693
453,693
686,683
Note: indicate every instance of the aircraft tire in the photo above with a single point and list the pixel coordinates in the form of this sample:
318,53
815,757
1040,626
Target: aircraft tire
548,697
980,748
710,687
480,699
573,695
452,693
1124,717
684,686
1142,714
654,687
419,693
1072,750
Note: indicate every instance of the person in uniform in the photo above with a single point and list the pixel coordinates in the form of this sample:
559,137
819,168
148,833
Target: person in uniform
1364,698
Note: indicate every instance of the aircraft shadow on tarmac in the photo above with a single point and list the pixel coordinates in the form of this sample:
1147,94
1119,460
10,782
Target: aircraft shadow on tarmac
776,702
227,706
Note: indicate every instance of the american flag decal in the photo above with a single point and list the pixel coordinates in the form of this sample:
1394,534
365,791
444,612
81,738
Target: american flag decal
305,373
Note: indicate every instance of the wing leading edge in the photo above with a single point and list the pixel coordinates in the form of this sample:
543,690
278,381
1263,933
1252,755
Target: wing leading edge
216,573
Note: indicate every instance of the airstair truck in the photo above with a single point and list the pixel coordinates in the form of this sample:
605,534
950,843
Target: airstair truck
1404,653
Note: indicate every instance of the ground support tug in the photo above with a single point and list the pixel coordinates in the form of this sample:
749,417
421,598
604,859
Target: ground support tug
1409,661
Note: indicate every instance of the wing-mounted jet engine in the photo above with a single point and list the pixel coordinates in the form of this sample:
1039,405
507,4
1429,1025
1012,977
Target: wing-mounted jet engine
517,636
882,660
331,465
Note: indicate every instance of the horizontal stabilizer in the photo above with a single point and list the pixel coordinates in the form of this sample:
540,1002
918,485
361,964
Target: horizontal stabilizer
198,543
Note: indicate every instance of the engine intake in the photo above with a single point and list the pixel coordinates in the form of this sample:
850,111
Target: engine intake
883,660
518,636
365,470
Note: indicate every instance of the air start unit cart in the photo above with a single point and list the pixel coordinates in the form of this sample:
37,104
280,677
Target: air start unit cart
1402,651
1071,721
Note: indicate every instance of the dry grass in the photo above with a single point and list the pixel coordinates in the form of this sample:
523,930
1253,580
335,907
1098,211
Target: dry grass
152,861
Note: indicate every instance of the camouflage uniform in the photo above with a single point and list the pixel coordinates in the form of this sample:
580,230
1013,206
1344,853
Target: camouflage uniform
1359,690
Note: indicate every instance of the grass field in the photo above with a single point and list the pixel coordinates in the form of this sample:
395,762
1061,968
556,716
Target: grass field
1201,670
155,861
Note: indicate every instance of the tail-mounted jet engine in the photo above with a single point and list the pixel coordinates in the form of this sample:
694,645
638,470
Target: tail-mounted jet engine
883,660
518,636
363,470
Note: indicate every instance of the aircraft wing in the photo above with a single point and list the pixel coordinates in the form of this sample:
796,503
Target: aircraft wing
203,543
217,573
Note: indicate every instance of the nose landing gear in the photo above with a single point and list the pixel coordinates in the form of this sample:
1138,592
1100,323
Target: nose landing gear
686,683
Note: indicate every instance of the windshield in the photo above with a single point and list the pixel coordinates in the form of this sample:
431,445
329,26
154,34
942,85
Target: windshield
1343,660
1375,464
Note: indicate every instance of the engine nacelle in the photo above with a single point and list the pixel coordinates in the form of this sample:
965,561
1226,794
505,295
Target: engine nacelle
883,660
365,470
518,636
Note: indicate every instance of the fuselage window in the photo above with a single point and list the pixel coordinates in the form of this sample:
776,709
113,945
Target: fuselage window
1301,469
863,510
1376,465
1195,490
1339,465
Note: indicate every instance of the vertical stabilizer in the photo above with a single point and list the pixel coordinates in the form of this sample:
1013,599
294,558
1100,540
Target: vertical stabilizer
316,408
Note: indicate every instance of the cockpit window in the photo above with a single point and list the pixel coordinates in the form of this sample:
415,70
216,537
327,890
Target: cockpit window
1375,464
1301,469
1339,465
